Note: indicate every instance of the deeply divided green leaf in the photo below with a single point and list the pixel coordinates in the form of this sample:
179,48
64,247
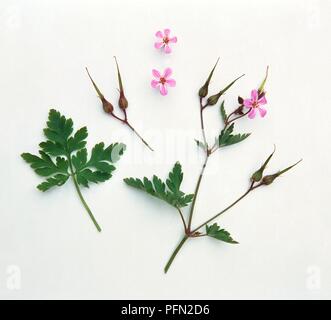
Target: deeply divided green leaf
169,192
216,232
62,142
226,138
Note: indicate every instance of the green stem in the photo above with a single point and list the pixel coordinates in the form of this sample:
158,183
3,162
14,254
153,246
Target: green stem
73,175
227,208
173,256
138,135
196,191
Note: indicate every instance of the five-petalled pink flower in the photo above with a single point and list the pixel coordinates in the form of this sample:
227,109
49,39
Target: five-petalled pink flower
165,40
162,81
257,100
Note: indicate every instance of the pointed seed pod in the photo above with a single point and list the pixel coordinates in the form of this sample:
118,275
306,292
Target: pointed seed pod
122,102
204,89
212,100
270,178
257,175
107,106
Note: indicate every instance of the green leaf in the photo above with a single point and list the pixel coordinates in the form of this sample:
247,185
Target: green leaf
78,142
80,159
223,112
101,159
58,128
61,142
58,180
226,138
175,178
44,165
225,134
237,138
85,176
75,164
169,192
214,231
53,148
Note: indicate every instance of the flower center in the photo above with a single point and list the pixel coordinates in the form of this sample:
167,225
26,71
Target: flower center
166,40
163,80
255,104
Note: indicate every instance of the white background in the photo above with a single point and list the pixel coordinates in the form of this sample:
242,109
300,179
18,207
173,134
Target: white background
283,229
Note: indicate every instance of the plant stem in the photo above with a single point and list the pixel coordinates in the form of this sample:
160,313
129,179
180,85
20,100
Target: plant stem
228,207
238,117
126,122
203,166
196,191
174,254
202,124
73,175
182,218
138,135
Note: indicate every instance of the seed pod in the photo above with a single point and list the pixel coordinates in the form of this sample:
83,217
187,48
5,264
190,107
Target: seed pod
257,175
204,89
107,106
212,100
122,102
270,178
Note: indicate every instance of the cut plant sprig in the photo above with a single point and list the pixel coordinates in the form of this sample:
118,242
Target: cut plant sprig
227,137
122,103
71,158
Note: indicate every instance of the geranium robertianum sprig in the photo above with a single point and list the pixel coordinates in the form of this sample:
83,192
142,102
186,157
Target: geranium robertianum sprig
122,103
164,191
71,158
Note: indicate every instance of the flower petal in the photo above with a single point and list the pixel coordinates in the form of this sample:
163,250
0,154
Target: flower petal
163,90
155,83
158,45
167,73
171,82
159,34
173,40
263,112
263,101
166,32
252,113
167,49
254,95
156,74
248,103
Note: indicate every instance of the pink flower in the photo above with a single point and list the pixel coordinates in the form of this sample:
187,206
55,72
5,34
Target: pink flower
163,81
254,103
165,40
